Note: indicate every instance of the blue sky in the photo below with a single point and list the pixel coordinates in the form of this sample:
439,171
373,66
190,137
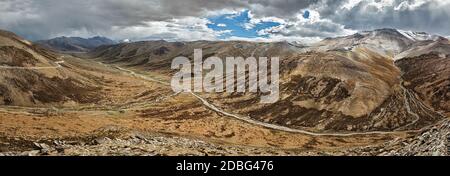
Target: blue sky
235,23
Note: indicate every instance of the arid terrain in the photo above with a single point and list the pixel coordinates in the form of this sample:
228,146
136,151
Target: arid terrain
373,93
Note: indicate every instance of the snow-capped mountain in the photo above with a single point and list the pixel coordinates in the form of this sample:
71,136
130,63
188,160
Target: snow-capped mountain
418,36
387,42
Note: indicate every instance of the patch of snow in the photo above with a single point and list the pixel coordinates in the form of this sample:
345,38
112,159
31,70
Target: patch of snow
296,43
417,36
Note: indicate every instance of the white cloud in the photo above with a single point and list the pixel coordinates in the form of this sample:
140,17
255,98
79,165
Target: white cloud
221,25
254,20
183,29
380,4
350,4
411,5
172,20
304,30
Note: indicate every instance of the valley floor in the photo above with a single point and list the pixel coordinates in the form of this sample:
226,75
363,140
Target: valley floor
140,115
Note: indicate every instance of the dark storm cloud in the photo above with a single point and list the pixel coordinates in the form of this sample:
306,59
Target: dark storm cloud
417,15
38,19
279,8
41,19
430,16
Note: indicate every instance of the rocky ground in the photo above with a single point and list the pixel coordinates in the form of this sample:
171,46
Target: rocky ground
431,142
434,141
139,144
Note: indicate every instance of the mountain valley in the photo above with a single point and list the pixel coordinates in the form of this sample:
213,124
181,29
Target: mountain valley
342,96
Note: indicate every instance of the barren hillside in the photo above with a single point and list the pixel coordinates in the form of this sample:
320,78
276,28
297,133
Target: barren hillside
33,76
343,84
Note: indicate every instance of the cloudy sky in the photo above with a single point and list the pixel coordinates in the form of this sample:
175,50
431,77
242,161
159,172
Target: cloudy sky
187,20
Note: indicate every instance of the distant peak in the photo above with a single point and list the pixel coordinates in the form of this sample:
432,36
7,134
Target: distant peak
99,37
418,36
387,30
77,44
381,31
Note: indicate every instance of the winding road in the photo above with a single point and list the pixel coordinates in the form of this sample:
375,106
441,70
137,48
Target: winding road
214,108
263,124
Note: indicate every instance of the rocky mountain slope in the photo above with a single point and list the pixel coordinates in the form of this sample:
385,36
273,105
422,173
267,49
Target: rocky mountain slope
75,44
433,141
428,76
363,100
387,42
33,76
344,84
158,55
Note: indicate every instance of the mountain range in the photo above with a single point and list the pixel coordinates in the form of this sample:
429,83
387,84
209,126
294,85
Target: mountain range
75,44
369,81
